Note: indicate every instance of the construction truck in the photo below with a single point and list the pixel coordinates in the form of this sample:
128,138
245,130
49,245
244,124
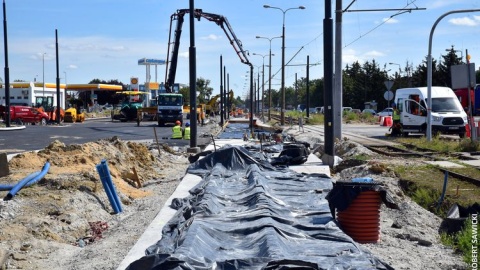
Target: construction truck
170,108
45,104
73,115
166,115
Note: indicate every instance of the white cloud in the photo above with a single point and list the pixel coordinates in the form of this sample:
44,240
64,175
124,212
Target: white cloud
465,21
211,37
373,54
439,3
350,56
390,20
183,54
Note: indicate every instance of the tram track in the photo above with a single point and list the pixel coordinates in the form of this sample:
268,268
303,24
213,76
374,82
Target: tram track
389,148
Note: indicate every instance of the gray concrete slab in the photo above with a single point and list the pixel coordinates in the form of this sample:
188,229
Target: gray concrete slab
445,164
475,163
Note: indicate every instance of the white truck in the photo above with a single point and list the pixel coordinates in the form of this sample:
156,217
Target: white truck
447,114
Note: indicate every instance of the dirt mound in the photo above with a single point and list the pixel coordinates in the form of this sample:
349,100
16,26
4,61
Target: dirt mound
67,205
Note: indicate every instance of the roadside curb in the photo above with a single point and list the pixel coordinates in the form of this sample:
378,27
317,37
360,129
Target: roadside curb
11,128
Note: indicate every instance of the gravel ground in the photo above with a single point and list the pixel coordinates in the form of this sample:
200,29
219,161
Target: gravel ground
49,226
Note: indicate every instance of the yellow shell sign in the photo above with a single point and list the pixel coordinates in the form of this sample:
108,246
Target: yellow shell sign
134,80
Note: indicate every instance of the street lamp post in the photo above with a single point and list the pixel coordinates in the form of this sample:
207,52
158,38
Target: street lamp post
257,91
66,91
269,74
399,67
43,72
282,113
263,82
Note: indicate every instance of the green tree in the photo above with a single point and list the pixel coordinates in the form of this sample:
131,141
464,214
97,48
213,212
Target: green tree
238,102
316,93
205,91
444,73
362,83
105,96
419,75
185,91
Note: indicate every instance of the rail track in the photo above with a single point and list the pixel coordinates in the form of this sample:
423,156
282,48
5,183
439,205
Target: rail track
389,148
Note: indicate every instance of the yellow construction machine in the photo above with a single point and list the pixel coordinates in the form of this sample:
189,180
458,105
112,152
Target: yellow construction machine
72,116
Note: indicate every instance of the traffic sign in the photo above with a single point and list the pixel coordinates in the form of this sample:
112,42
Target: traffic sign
388,95
389,85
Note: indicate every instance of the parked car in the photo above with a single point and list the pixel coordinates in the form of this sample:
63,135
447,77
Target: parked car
312,110
357,111
369,111
301,107
25,114
386,112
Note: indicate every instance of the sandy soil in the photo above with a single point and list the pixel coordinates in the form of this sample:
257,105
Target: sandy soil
65,221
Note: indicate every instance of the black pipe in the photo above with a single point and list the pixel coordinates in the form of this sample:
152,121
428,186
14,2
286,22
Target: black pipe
58,80
193,78
7,71
328,80
221,91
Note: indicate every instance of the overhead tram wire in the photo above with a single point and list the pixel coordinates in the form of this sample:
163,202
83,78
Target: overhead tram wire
400,11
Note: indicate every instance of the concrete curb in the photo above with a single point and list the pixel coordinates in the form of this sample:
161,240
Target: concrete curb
11,128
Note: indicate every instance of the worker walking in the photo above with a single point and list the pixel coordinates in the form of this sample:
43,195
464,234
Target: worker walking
396,127
300,124
177,131
186,131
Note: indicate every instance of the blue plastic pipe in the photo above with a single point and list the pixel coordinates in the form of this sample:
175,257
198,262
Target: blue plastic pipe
27,181
445,182
29,177
107,183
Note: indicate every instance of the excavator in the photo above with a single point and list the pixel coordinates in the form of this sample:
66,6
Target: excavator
171,65
212,106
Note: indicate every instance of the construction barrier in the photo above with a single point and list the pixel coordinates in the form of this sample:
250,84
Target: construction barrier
388,121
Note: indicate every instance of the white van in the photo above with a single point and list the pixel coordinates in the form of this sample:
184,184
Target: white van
448,116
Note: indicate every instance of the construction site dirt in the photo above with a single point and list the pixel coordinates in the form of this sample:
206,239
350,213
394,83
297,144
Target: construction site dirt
65,221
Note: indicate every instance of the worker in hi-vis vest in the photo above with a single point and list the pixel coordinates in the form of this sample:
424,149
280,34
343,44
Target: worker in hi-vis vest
177,131
186,131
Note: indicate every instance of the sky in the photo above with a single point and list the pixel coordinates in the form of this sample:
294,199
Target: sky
104,39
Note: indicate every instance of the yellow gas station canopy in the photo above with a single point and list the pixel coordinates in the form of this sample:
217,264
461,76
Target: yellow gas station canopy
101,87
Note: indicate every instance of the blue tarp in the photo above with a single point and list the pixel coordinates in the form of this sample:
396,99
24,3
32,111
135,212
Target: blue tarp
248,214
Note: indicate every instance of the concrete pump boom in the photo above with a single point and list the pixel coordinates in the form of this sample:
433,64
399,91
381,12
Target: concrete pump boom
171,66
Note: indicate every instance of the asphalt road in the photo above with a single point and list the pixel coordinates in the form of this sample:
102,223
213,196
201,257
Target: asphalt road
35,137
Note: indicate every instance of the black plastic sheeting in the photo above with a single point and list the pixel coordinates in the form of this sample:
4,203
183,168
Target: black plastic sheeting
343,193
247,214
457,215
